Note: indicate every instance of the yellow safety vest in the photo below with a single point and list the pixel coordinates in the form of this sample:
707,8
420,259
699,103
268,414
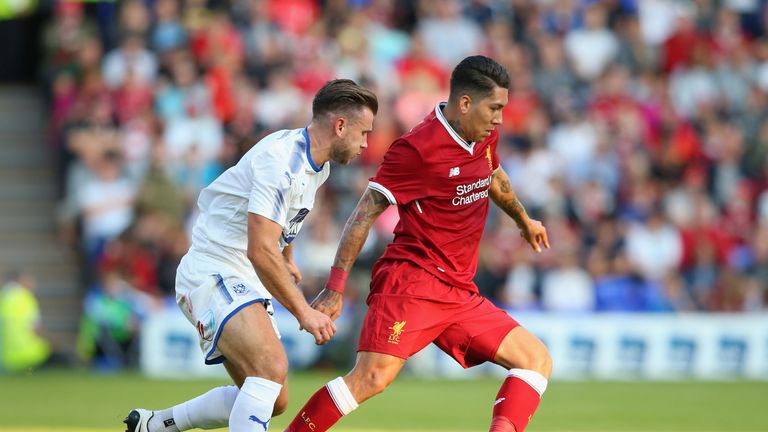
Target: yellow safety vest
20,346
10,9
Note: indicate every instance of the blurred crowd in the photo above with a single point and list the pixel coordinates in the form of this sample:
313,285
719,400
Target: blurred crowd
635,130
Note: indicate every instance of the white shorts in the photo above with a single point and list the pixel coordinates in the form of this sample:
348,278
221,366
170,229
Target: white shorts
210,293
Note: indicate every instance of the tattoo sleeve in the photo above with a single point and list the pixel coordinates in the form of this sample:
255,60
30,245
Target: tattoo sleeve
370,206
504,197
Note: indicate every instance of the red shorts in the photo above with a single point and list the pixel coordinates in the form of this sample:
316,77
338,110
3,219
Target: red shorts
408,308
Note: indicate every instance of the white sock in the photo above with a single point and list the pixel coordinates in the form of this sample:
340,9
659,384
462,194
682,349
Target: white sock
163,421
253,407
207,411
533,378
341,396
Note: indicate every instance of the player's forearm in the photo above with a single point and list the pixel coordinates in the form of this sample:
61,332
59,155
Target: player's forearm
288,252
505,198
352,241
269,264
356,230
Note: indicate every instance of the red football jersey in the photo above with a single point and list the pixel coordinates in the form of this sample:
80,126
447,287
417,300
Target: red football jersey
440,184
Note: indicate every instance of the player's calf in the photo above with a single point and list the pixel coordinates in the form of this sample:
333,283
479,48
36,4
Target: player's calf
254,405
281,404
517,400
324,408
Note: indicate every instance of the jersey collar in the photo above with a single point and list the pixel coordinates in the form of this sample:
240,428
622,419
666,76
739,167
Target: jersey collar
459,140
309,155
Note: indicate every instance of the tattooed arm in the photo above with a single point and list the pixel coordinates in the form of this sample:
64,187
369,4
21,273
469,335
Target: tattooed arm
502,194
370,206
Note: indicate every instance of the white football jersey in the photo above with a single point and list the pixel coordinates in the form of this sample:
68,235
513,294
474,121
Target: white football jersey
276,179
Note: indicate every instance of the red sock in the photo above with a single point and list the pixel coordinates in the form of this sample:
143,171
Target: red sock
317,415
515,404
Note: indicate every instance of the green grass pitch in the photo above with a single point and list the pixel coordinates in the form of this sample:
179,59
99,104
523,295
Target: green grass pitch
65,401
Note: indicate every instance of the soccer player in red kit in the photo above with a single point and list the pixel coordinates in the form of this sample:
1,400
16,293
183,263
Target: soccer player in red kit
441,175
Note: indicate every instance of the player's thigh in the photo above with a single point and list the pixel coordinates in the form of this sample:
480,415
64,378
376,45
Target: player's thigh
372,373
251,347
476,331
400,326
400,320
522,349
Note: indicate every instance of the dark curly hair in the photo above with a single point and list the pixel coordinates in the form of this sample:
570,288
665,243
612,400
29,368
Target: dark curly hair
477,76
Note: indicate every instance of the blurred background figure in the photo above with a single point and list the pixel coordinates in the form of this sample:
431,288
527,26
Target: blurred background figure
110,324
22,344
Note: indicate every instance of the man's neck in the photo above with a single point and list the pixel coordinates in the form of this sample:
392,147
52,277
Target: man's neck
319,148
451,115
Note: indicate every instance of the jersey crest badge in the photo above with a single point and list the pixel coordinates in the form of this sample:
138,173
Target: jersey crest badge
397,329
489,157
239,288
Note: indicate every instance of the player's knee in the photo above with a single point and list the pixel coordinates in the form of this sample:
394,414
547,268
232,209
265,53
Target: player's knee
278,370
376,381
537,359
541,362
271,368
545,366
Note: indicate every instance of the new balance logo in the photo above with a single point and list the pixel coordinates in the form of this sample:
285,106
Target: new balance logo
253,418
453,172
498,401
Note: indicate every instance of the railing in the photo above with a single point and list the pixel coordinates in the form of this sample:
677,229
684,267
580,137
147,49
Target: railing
584,346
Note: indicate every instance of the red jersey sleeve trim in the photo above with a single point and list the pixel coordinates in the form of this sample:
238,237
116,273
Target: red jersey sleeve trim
384,191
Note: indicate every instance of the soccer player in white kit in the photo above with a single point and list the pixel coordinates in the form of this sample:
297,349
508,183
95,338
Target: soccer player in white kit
240,258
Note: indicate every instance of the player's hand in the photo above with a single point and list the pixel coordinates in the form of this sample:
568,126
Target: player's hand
294,271
328,302
317,324
535,234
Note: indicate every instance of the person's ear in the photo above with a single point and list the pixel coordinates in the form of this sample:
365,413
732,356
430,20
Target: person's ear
339,126
465,103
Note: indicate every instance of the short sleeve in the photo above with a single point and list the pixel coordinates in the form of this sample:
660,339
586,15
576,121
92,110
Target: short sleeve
398,177
270,188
